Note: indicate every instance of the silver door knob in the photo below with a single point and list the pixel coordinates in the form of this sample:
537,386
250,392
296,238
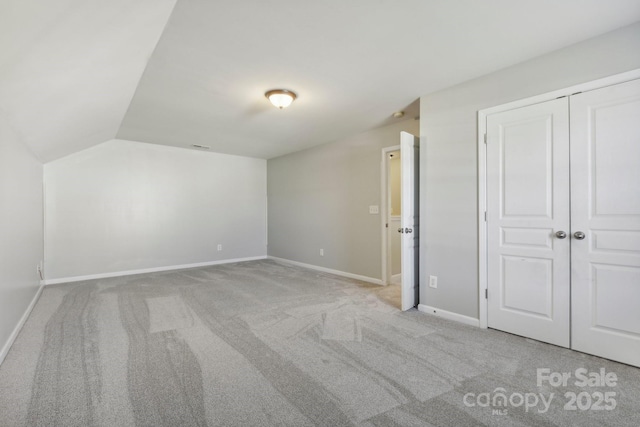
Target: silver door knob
408,230
561,234
579,235
400,230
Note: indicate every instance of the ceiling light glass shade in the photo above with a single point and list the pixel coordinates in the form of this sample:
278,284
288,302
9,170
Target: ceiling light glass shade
280,98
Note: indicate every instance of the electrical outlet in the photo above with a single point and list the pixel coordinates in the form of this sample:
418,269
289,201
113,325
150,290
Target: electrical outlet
433,281
374,209
219,246
321,252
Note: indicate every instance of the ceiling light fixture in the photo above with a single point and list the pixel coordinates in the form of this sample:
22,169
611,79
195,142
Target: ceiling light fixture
398,114
281,98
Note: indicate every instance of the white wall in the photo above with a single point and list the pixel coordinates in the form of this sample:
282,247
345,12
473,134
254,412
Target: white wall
20,230
449,236
123,206
320,198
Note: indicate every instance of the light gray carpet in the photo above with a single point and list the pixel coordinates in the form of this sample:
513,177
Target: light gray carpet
261,343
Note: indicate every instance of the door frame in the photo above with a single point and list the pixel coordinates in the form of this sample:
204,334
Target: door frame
384,198
482,168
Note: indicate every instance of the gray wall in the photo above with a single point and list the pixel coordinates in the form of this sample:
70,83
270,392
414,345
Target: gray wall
320,198
20,230
124,205
449,237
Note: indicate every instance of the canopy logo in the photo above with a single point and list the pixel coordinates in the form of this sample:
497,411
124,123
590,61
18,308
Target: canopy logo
594,398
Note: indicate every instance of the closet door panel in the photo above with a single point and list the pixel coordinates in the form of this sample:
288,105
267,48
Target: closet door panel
527,204
605,222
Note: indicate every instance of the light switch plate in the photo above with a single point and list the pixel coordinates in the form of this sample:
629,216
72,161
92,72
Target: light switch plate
374,209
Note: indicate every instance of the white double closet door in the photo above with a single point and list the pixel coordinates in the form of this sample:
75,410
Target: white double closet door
563,221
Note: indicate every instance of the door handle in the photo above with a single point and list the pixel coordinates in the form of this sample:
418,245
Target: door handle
400,230
579,235
408,230
561,234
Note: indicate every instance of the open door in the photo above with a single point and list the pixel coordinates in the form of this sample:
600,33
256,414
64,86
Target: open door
410,222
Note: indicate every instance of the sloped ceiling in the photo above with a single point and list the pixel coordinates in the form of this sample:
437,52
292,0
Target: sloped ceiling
70,69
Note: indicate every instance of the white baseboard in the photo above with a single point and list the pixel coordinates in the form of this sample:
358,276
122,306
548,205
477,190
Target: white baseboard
449,315
18,328
148,270
329,270
396,279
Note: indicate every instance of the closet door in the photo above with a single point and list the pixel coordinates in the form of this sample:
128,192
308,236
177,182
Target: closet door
605,221
528,243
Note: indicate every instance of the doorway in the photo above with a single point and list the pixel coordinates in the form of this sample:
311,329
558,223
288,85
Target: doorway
391,196
562,221
400,217
393,220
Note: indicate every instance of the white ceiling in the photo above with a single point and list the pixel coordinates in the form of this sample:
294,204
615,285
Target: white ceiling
69,70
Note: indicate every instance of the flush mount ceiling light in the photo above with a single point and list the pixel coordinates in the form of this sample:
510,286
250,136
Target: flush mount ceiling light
280,98
398,114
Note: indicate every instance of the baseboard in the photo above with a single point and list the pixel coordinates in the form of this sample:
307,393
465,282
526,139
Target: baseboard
18,328
449,315
328,270
396,279
149,270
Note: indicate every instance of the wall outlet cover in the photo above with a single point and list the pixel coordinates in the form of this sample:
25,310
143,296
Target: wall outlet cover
433,281
374,209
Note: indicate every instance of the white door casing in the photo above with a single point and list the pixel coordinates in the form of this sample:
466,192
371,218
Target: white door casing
527,204
410,218
605,206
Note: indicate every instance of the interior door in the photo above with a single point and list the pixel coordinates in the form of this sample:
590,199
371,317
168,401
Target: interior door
605,205
528,221
410,218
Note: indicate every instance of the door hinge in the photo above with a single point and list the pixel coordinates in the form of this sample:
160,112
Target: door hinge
485,138
386,225
486,293
485,216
